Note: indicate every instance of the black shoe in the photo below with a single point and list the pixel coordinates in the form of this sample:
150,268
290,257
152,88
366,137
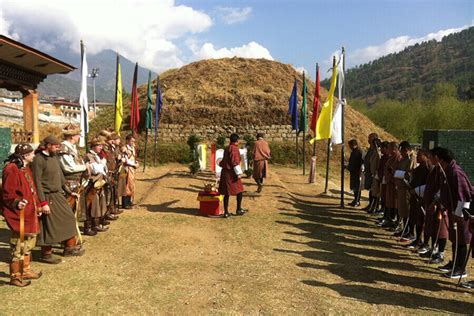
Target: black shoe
412,245
467,284
50,259
73,252
423,248
226,215
241,212
447,267
437,258
426,254
89,232
458,273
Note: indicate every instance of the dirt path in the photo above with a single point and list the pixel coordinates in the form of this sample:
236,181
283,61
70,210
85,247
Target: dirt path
294,252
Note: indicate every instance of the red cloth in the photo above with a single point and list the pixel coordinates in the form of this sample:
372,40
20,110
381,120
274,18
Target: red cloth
229,183
316,101
15,188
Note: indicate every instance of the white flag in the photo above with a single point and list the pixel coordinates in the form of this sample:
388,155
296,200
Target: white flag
83,99
336,125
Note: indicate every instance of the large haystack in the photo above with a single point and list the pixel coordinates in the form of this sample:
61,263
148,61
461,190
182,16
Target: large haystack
241,91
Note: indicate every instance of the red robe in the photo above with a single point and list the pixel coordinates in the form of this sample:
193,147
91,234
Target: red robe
229,183
16,187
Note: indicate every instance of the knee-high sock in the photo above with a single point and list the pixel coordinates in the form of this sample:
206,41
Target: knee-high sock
226,204
441,244
239,201
461,256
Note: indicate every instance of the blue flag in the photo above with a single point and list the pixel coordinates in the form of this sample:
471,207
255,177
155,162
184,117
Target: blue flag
159,103
293,106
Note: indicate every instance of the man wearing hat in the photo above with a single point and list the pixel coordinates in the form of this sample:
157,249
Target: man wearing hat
126,184
75,172
96,206
57,222
20,207
111,153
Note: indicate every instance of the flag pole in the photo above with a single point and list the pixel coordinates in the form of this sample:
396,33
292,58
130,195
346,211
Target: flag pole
342,126
314,144
297,162
329,143
327,166
146,141
304,125
85,118
157,117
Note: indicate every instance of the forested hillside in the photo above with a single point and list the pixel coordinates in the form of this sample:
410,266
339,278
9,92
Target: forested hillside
413,72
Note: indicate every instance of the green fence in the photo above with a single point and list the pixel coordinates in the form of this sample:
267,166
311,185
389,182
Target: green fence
5,144
460,142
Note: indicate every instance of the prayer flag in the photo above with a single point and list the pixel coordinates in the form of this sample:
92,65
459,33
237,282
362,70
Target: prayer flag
118,98
149,107
293,107
316,101
303,121
83,98
336,137
134,108
158,103
323,125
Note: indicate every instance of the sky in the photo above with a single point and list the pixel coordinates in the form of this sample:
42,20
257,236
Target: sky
165,34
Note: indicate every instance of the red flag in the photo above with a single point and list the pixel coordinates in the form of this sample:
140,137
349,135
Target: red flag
134,111
316,102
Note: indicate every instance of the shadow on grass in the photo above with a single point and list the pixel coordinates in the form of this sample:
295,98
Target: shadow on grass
342,243
167,208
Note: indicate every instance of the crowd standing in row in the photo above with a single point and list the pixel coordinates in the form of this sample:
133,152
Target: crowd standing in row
421,196
47,191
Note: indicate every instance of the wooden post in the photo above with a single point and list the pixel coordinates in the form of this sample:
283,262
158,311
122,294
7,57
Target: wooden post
30,114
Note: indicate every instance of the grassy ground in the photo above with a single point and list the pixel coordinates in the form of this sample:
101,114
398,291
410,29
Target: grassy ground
294,253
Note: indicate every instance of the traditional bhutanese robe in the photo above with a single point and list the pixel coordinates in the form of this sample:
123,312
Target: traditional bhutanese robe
18,184
230,183
126,185
261,154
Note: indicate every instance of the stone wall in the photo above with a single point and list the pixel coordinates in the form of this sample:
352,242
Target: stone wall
180,133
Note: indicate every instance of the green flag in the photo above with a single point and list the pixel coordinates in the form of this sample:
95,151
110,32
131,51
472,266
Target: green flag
149,107
303,121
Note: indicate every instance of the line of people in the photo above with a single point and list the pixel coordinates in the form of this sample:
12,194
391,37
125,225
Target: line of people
47,191
421,196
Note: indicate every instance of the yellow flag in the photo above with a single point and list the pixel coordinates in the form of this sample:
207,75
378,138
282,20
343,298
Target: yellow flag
118,99
323,126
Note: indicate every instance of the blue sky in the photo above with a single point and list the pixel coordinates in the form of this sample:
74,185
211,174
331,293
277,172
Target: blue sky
167,34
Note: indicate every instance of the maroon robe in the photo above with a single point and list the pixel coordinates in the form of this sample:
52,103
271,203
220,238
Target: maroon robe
456,188
17,185
229,183
261,154
433,210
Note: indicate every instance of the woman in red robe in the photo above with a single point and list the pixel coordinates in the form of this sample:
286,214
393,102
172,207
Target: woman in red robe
20,205
230,182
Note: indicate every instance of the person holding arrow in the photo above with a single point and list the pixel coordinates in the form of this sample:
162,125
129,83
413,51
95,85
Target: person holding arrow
20,205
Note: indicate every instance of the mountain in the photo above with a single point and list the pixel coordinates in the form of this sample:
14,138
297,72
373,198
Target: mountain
413,72
69,85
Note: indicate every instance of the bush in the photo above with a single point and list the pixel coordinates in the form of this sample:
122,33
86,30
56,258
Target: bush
166,153
220,142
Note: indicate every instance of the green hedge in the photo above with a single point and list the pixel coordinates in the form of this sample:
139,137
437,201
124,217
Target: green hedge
166,152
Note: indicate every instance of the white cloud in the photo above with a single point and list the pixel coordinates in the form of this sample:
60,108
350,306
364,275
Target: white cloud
143,30
395,45
301,70
234,15
250,50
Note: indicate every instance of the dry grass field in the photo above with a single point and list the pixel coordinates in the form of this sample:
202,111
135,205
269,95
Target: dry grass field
295,252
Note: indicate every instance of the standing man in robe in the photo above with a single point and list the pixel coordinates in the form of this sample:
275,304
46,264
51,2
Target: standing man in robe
368,176
75,171
126,185
355,169
57,223
230,182
95,197
456,193
111,152
19,195
261,154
